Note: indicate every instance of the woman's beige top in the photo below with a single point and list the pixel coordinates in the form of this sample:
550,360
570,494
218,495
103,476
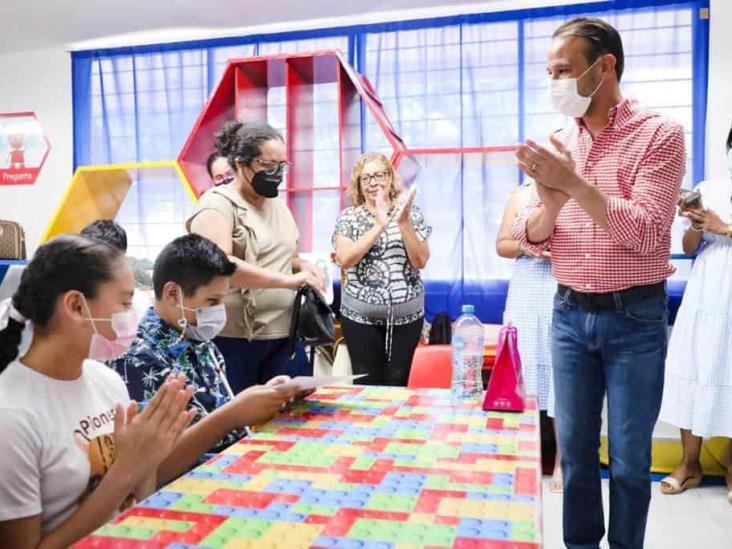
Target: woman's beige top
266,238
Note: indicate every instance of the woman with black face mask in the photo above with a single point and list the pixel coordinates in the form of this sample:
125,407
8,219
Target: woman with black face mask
259,234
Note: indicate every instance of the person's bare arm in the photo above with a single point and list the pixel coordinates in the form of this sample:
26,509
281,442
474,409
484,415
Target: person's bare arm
691,241
349,252
214,226
300,265
506,245
96,510
701,220
418,250
252,406
536,229
24,533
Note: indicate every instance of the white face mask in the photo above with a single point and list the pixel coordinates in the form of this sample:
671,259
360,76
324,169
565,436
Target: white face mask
729,160
566,98
209,321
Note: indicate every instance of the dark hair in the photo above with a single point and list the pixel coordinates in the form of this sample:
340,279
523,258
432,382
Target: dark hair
191,261
213,157
729,140
68,262
108,232
600,37
243,141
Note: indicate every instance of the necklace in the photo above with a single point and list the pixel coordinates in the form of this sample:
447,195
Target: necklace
372,212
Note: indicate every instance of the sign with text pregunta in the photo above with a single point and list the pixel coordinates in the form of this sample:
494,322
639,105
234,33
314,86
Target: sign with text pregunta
23,148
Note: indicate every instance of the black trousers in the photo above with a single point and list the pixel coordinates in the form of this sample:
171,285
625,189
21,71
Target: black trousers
367,349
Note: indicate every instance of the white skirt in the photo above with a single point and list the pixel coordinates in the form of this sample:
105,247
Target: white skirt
697,393
529,307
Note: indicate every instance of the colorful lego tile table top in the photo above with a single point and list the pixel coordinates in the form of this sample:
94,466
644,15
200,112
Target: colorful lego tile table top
366,467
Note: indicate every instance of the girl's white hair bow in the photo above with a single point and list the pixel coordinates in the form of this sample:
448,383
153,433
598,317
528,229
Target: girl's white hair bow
8,311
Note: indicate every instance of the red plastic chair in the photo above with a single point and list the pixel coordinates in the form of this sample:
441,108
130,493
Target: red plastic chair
431,367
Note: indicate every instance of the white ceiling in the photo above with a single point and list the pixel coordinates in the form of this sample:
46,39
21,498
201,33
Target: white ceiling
75,24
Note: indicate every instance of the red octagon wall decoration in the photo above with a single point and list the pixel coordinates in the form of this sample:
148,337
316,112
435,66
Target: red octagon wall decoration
24,148
307,95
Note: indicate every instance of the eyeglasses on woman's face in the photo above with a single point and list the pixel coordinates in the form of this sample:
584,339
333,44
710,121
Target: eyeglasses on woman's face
378,177
271,167
225,177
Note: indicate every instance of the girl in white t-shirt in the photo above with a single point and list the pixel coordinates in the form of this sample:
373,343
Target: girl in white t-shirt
73,449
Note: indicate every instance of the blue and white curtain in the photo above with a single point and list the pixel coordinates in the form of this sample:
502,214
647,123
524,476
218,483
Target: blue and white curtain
485,84
466,81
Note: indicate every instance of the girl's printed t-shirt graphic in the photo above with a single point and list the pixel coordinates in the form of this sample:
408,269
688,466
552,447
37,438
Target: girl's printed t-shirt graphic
99,449
57,439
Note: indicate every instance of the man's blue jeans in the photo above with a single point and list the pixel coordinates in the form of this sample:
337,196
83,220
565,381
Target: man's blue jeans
620,352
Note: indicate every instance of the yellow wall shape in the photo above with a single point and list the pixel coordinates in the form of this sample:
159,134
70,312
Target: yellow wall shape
97,192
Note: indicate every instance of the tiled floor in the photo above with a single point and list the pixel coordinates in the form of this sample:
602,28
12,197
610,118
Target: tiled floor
697,519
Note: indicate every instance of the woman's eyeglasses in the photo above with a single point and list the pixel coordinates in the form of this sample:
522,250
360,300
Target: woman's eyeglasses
273,168
222,178
379,177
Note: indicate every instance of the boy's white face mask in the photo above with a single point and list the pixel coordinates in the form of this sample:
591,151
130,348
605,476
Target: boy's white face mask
209,321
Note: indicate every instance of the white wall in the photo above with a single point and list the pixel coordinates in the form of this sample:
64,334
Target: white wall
39,81
719,98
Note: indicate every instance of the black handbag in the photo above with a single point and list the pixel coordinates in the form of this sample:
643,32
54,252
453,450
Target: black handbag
441,330
312,320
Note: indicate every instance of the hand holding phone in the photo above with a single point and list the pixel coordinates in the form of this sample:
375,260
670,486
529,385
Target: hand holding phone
689,200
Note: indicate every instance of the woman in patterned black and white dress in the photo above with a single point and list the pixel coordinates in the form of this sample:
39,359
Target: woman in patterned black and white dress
381,246
529,307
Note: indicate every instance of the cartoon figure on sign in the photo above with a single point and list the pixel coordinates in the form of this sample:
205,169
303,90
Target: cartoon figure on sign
16,156
23,148
101,452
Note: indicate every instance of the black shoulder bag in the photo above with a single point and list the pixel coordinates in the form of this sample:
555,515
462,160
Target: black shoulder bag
312,320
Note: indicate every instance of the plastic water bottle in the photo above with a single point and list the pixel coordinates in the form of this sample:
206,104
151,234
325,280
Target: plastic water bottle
467,356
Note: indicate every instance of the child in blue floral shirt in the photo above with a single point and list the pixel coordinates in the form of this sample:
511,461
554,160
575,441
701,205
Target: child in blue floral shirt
191,279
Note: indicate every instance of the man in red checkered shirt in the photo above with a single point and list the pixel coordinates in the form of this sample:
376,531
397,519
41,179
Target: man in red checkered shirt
607,185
